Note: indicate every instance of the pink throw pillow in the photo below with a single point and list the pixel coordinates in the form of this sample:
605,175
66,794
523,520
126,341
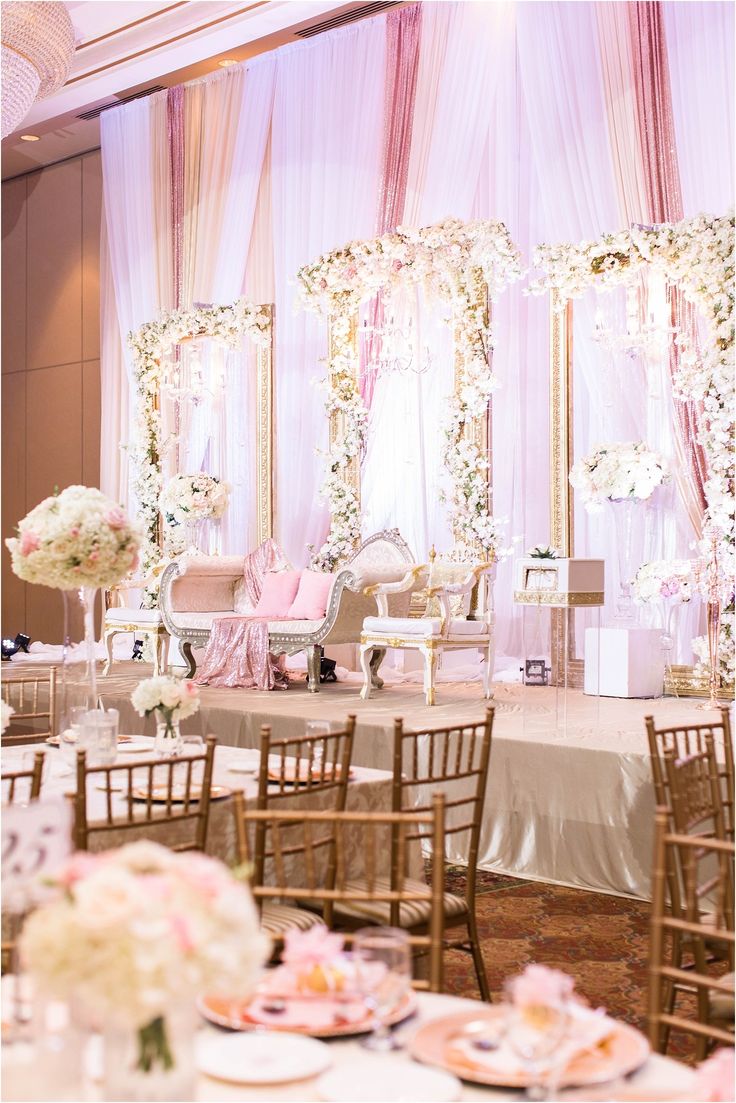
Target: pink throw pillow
279,590
310,602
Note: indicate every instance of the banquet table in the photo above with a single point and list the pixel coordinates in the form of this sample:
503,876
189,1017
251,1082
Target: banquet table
658,1078
368,790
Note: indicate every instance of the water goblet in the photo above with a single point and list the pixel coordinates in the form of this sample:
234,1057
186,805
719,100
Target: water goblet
382,957
318,728
535,1033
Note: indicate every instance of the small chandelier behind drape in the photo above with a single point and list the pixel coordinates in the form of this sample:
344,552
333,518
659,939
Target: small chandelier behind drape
38,45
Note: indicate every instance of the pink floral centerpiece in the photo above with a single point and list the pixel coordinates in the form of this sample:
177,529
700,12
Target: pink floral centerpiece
173,700
133,934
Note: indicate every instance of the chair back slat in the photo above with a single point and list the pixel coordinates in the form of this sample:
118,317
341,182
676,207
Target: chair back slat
180,803
33,699
351,830
13,788
704,932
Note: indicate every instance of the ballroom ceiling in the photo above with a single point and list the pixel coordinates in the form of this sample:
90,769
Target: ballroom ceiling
125,49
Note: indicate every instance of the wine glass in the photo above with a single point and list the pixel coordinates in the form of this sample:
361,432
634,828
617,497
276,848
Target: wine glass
535,1033
316,728
382,957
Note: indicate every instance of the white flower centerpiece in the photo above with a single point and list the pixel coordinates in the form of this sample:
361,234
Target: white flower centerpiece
173,700
191,500
133,936
76,541
623,474
668,582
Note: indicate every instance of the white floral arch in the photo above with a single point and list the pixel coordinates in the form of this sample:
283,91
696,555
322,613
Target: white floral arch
149,345
697,256
462,263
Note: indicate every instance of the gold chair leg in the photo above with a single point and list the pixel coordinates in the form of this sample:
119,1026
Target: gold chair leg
480,968
108,646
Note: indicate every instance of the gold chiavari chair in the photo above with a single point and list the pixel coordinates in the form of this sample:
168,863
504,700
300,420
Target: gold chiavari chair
456,760
13,779
714,995
323,765
292,839
162,796
687,739
33,699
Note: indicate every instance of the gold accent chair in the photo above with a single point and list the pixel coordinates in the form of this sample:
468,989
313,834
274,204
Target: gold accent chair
302,835
182,810
454,760
457,614
714,1017
140,623
13,778
33,698
324,772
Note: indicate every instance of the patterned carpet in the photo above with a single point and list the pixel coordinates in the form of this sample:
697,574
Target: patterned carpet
602,941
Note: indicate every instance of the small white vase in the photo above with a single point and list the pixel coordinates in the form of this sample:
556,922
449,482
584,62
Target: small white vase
168,736
153,1063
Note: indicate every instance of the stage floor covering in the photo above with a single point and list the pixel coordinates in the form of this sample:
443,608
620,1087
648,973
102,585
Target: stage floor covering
570,797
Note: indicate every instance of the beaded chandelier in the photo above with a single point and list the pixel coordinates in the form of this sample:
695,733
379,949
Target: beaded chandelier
37,49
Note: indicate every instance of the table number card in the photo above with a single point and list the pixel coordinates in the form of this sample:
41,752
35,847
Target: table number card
36,839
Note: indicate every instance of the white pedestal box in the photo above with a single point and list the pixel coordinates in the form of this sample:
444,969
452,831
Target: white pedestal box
631,662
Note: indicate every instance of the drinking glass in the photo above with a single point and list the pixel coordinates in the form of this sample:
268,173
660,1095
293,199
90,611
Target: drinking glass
535,1035
192,746
382,957
100,736
315,728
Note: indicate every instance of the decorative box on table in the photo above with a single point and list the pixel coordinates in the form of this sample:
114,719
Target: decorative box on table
624,662
559,583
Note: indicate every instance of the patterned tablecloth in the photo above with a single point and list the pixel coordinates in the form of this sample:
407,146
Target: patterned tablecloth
369,790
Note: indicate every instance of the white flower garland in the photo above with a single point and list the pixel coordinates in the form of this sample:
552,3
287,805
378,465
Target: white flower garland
149,344
451,259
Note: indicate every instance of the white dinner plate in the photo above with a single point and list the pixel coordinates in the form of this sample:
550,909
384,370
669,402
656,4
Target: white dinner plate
373,1081
262,1058
244,765
136,746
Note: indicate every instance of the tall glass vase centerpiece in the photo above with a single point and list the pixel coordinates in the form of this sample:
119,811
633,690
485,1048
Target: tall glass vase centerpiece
172,700
669,584
132,937
77,542
193,506
623,475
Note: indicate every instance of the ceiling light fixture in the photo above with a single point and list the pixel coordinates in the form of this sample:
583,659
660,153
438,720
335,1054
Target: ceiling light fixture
227,61
37,50
30,138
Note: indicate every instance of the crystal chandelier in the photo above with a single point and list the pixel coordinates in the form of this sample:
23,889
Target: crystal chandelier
38,45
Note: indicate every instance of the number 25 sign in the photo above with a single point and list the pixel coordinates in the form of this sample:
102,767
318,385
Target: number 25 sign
36,839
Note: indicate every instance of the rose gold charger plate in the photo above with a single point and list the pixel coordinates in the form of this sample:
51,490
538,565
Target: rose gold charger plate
290,776
621,1052
55,740
233,1014
160,795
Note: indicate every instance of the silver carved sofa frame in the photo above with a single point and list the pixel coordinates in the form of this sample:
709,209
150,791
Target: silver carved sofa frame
383,557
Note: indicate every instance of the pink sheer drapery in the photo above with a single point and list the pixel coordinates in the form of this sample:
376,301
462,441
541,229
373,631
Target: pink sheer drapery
403,31
656,133
237,652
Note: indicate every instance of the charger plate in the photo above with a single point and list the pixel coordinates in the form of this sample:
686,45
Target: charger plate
159,794
262,1058
331,772
240,1015
438,1043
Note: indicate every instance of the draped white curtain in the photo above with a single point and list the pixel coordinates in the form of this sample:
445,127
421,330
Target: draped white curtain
325,174
136,267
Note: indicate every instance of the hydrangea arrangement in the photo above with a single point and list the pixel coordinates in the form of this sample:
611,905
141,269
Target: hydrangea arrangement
613,472
668,579
78,538
189,498
132,932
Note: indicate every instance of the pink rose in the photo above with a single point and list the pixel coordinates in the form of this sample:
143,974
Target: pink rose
93,556
397,265
116,518
539,986
29,542
317,946
190,688
182,933
669,587
351,272
78,867
74,531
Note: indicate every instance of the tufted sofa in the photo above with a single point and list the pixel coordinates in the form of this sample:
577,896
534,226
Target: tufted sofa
195,590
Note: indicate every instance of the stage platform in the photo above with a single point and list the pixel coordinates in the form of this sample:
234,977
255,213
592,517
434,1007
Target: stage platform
570,796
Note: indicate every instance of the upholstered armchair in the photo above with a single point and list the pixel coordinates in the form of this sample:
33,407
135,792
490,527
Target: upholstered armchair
457,614
122,619
195,591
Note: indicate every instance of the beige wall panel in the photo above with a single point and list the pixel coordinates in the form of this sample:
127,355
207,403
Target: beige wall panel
55,265
91,423
13,495
14,275
91,214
